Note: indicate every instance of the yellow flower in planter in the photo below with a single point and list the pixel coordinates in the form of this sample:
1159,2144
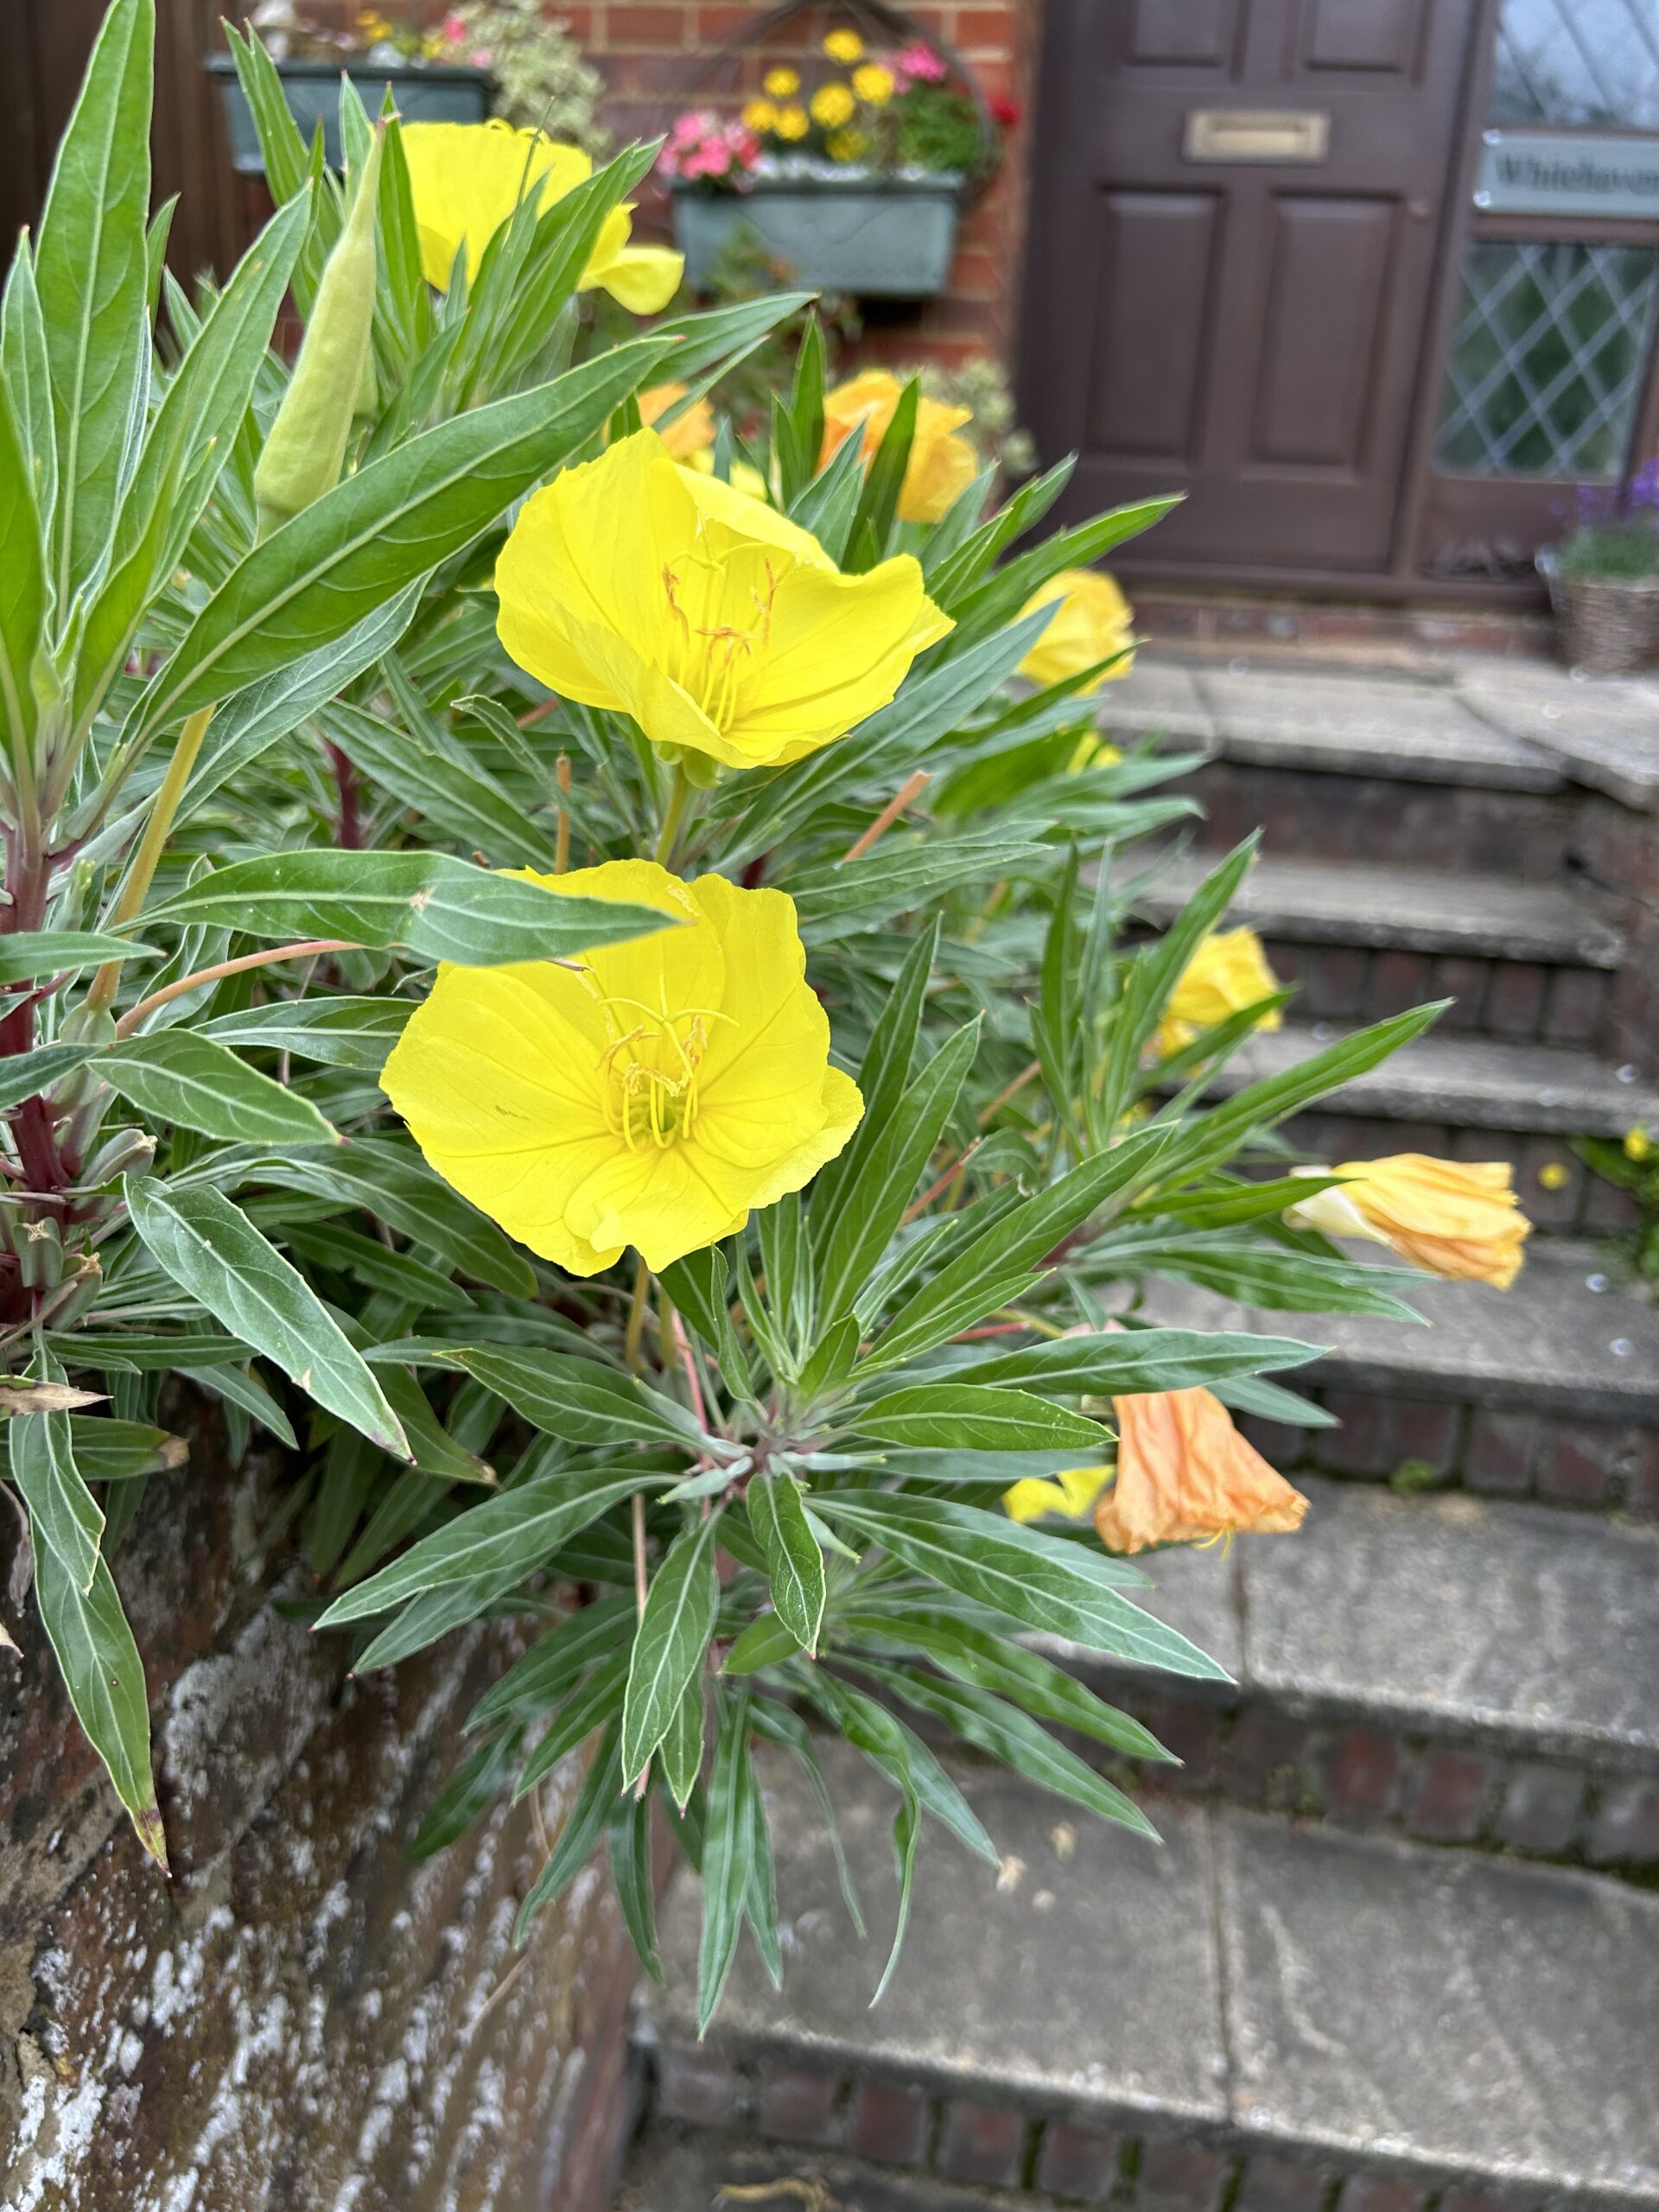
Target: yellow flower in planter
832,105
781,83
1456,1219
687,435
638,587
845,47
942,465
1185,1475
466,178
792,122
1092,618
651,1096
1227,973
873,84
845,145
760,117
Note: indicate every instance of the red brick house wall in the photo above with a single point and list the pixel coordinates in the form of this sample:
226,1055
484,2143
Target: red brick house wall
649,51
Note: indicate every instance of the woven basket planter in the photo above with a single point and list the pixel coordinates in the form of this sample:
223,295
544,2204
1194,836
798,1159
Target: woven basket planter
1609,626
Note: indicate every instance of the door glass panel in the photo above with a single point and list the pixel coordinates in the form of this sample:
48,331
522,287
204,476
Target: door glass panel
1594,63
1547,359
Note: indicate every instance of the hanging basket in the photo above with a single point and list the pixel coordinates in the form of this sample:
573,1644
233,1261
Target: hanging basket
1609,626
870,233
423,92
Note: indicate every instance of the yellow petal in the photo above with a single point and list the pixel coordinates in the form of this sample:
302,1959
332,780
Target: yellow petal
466,178
1228,973
642,278
1091,620
1458,1219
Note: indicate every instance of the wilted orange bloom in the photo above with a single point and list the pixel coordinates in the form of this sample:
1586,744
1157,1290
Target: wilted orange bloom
941,465
1185,1474
1456,1218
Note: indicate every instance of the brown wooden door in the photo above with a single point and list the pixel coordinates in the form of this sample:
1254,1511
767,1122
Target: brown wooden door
1248,331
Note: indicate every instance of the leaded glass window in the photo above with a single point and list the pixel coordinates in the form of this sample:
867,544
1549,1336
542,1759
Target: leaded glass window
1547,359
1591,63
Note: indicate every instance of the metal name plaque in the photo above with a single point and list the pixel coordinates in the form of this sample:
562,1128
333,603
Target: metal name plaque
1568,173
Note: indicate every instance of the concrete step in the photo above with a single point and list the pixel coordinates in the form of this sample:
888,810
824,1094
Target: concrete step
1524,960
1251,2012
1472,1098
1359,766
1548,1389
1460,1669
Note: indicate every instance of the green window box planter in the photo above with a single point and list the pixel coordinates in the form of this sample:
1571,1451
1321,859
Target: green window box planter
441,93
874,236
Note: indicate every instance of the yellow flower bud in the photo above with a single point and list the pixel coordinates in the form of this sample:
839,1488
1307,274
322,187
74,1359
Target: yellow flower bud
306,450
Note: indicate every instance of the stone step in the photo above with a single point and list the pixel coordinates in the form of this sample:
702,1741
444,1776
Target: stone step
1252,2012
1472,1098
1548,1389
1460,1669
1353,766
1525,960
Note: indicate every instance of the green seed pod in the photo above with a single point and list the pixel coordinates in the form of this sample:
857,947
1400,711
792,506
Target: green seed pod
307,446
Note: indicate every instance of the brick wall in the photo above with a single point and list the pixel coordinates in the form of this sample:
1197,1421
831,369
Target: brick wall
649,51
296,2017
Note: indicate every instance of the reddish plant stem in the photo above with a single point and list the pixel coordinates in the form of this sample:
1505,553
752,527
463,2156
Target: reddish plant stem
349,829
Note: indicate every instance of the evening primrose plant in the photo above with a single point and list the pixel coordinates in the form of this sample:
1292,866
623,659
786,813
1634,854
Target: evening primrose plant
602,1013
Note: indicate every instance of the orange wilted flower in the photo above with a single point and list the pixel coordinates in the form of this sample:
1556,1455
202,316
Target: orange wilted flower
1185,1474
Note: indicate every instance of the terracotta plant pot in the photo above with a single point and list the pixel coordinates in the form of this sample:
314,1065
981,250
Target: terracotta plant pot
1609,625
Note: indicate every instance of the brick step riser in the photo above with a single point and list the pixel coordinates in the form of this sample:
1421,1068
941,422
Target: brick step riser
906,2146
1557,1192
1519,1001
1416,1445
1459,826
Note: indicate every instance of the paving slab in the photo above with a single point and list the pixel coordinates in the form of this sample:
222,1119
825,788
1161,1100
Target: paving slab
1606,731
1466,1615
1469,1081
1157,698
1366,724
1423,910
1570,1336
1442,2010
1034,1983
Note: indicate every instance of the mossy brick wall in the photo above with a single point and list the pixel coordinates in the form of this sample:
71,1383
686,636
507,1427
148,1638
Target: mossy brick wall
650,50
297,2017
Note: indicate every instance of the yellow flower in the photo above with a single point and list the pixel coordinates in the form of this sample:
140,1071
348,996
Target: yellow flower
845,145
636,586
1456,1220
872,83
689,434
1092,619
1227,973
781,83
465,179
1069,1496
1554,1175
791,122
652,1097
942,465
1091,752
1638,1145
1185,1475
845,47
760,115
832,105
744,477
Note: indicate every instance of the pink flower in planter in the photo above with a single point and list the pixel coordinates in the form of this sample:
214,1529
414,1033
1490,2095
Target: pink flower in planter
452,30
918,63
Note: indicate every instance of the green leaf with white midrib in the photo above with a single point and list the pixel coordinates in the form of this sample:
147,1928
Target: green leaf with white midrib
673,1635
180,1077
99,1661
1128,1362
49,952
519,1531
794,1563
23,581
1045,1582
342,1032
578,1399
212,1250
392,1182
596,1702
455,795
319,574
62,1512
728,1852
92,270
973,1416
427,903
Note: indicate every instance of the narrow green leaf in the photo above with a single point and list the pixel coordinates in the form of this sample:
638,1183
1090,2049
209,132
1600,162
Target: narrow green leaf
23,581
680,1752
578,1398
728,1852
598,1701
1128,1361
62,1512
628,1838
212,1250
394,1183
179,1076
672,1641
584,1824
45,952
476,1783
974,1417
535,1683
341,1033
105,1679
794,1563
